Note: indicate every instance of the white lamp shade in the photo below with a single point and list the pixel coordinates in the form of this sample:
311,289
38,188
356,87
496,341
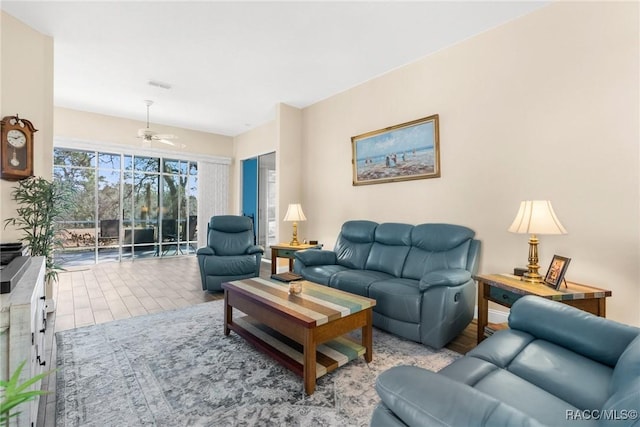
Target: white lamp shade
536,217
294,213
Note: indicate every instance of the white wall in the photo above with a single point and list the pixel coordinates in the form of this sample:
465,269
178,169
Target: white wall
544,107
26,89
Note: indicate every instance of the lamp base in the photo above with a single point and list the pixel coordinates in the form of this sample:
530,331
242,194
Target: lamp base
532,277
294,242
294,238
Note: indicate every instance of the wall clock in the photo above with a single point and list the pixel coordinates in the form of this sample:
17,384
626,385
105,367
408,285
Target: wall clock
16,148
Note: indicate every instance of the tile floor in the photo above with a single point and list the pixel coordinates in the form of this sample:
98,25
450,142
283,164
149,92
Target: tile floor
112,291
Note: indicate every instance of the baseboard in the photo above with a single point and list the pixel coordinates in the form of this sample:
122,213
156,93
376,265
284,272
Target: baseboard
279,269
495,316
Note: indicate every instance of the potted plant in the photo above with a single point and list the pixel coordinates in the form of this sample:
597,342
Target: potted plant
40,204
13,394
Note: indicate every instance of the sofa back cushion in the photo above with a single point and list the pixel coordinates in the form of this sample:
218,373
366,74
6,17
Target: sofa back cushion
354,243
390,248
628,367
437,247
597,338
624,389
230,234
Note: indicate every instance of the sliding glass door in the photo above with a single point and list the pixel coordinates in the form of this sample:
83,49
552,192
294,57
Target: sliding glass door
77,169
127,206
108,195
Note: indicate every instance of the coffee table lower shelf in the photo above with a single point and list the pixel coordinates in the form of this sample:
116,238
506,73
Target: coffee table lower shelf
329,355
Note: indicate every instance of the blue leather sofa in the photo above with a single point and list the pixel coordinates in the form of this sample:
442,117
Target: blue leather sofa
555,366
230,253
420,276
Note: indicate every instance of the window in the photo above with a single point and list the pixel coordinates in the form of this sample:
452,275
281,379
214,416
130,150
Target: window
127,206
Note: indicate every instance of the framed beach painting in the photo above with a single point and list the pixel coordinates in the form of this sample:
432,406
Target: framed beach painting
398,153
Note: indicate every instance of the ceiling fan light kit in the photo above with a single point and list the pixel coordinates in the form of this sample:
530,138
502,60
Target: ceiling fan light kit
147,135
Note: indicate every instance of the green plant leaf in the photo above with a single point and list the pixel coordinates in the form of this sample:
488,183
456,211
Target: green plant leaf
41,203
13,393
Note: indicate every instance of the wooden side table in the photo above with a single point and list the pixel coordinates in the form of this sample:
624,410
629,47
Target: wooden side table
285,250
505,289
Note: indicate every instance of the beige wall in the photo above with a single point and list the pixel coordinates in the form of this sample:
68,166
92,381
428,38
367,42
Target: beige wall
544,107
91,127
284,136
257,141
289,169
26,89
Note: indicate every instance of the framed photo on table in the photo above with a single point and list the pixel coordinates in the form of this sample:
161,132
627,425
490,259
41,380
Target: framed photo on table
557,269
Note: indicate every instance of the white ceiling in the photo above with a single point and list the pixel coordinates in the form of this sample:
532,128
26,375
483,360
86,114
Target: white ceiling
230,63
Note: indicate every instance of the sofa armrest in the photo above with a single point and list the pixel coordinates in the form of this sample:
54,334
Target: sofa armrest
595,337
205,251
421,397
450,277
316,257
255,249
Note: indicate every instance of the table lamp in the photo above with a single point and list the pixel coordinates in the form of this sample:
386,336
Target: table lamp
295,214
535,217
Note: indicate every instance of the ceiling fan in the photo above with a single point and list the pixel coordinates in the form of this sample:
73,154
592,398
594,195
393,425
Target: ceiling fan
148,135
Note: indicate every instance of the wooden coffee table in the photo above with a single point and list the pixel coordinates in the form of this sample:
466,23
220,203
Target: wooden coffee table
304,332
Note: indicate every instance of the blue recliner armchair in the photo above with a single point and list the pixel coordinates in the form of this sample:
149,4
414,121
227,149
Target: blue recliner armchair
555,366
230,253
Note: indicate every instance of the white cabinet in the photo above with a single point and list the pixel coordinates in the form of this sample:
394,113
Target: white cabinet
22,333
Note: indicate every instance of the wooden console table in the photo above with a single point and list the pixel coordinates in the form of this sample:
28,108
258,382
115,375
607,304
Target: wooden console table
285,250
22,335
505,289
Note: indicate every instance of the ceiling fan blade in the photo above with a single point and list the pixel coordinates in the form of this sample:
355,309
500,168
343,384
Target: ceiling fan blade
165,141
165,136
147,135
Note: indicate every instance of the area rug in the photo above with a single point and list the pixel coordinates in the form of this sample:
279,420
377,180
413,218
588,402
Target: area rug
177,368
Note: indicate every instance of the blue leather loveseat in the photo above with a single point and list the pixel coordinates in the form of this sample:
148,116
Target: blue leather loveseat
555,366
420,276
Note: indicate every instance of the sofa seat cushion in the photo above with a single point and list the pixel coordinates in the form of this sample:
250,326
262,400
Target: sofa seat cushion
321,273
356,281
398,299
514,391
229,265
560,371
402,390
503,347
468,370
548,366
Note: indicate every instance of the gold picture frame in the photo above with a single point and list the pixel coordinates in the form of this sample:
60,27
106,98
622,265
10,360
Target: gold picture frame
398,153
